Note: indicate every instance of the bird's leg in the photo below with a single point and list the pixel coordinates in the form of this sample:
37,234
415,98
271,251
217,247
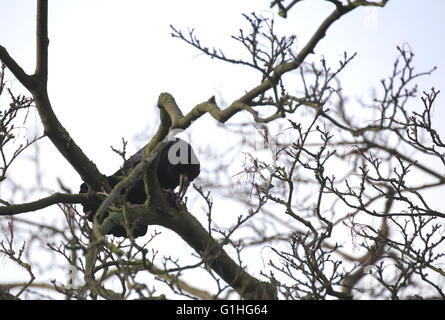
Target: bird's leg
103,192
183,185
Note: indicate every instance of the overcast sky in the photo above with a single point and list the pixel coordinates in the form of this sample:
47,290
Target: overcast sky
109,60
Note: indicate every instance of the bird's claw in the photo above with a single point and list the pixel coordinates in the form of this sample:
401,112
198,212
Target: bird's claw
175,198
103,192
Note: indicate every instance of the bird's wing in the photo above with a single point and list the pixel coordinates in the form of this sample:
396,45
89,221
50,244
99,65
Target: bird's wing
131,163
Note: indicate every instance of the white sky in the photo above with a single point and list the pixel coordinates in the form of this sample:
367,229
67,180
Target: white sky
109,60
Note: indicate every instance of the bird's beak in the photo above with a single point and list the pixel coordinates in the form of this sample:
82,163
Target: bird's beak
183,185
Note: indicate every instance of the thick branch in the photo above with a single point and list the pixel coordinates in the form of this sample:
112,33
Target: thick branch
189,229
209,106
168,104
42,42
64,143
53,128
26,80
44,202
37,85
162,212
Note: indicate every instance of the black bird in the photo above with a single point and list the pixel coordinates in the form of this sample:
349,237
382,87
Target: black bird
178,166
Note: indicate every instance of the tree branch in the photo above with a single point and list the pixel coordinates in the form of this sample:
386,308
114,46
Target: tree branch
269,82
45,202
188,228
159,210
15,68
287,66
53,128
37,85
42,43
